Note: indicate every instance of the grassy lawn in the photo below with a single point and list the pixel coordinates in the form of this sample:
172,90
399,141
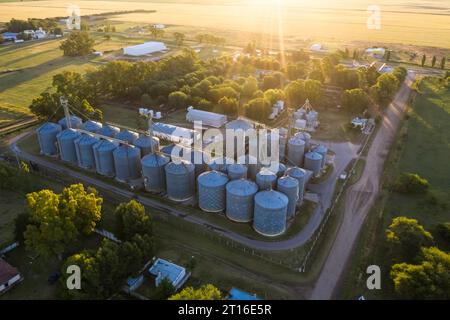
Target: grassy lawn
335,126
11,206
422,147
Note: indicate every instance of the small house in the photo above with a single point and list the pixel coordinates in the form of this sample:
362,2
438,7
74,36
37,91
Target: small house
9,276
163,269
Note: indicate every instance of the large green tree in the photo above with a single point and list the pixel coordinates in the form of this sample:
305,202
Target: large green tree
132,219
428,280
405,237
79,43
355,100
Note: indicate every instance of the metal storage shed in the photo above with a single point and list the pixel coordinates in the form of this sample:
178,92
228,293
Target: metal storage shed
145,48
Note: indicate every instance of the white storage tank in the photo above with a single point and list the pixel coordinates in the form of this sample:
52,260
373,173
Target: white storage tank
220,164
85,153
153,172
296,151
180,180
270,214
266,179
127,162
211,191
237,171
322,150
66,142
104,159
289,186
47,138
75,122
306,137
252,164
240,200
145,143
92,126
313,162
278,168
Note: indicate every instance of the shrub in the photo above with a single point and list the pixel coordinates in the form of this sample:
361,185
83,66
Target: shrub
411,183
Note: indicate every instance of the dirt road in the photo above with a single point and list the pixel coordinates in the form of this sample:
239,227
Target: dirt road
361,196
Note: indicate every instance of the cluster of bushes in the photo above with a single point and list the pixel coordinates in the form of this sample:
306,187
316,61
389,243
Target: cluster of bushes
18,26
411,183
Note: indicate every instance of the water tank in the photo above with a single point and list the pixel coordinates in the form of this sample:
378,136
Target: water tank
153,172
237,171
240,194
75,122
104,159
108,131
301,176
270,213
127,162
66,145
296,151
127,136
322,150
199,159
85,153
220,164
211,191
266,179
145,143
180,180
47,138
253,166
92,126
313,162
289,186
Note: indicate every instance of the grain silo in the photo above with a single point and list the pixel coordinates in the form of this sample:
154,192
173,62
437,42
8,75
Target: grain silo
211,191
47,138
127,162
109,131
147,144
322,150
237,171
66,145
75,122
85,153
153,172
180,180
270,213
127,136
306,137
278,168
301,176
220,164
266,179
240,200
313,162
198,158
296,151
104,158
289,186
252,164
91,126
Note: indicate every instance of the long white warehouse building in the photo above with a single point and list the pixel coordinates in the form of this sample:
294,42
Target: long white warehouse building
208,118
145,48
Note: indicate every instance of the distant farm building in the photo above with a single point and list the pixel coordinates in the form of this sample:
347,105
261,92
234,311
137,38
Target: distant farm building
376,52
9,276
211,119
163,269
145,49
9,36
174,134
159,26
316,47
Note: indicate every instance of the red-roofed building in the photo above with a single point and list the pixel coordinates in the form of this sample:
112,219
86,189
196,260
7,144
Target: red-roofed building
9,276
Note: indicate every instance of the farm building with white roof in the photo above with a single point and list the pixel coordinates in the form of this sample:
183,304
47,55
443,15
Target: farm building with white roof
145,48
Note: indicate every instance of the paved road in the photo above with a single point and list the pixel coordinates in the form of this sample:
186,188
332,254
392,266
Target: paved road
361,196
344,153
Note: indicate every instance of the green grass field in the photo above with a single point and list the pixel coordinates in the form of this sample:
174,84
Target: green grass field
423,147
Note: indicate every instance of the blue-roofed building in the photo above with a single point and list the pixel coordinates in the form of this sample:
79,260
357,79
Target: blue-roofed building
236,294
10,36
163,269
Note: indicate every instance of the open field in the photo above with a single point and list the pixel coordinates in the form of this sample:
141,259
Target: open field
422,147
408,23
